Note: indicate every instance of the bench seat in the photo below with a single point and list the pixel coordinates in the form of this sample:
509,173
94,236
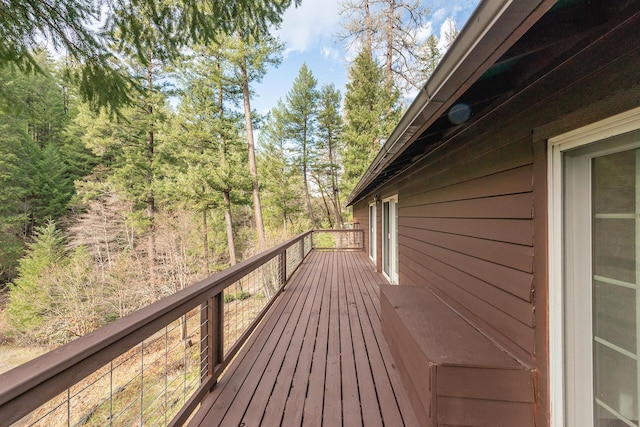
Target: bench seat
454,374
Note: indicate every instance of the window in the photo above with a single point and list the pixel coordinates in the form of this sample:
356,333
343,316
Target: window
390,239
594,235
372,231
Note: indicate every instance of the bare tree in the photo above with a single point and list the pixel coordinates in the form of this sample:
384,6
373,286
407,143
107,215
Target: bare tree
359,26
389,29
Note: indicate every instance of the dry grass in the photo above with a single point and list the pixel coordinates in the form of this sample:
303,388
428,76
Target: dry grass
12,355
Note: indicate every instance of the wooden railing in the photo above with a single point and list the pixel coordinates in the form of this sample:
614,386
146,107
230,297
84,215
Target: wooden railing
219,313
344,239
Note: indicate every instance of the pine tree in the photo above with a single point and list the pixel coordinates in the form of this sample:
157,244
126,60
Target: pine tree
301,114
30,294
250,57
209,146
329,128
68,26
371,113
282,179
430,56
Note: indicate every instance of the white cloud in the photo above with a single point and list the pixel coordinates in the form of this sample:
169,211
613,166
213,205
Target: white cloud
425,31
311,23
446,26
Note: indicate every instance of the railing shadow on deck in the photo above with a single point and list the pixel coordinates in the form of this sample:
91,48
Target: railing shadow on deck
154,366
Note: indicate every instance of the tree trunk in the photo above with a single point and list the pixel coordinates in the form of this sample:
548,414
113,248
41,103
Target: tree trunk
334,189
389,55
229,226
253,170
150,196
369,27
306,182
324,201
205,241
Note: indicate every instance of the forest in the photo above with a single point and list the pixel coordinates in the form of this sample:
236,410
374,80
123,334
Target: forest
133,166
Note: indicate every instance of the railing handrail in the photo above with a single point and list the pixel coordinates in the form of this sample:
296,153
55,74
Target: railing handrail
42,377
337,230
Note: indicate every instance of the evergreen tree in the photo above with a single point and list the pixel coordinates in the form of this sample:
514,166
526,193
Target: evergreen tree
15,184
52,185
30,294
209,145
40,160
249,58
430,56
301,114
67,25
282,179
57,295
371,113
329,128
128,146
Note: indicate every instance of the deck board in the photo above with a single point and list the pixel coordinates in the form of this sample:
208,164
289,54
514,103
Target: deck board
317,358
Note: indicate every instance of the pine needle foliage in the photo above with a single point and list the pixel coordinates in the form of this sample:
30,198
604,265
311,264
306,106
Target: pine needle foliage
93,32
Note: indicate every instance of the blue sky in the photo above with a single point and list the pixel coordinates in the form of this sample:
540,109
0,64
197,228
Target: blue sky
309,34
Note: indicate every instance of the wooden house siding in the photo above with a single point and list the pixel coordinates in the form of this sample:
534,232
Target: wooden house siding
465,229
473,209
361,217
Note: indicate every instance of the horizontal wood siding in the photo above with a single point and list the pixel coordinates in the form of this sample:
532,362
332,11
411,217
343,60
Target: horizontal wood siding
473,209
466,231
361,218
464,382
466,211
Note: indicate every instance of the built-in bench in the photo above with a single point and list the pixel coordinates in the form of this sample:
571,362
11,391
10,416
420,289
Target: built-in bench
454,375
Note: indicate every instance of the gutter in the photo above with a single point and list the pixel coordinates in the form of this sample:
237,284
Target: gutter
491,30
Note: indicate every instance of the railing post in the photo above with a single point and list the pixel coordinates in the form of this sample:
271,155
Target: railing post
302,247
213,327
283,267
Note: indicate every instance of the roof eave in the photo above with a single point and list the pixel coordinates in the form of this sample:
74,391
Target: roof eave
490,31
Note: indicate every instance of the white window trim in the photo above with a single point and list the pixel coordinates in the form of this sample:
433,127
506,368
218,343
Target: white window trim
373,230
393,279
622,123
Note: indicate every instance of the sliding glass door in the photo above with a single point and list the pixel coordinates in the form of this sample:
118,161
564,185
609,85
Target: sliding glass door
602,273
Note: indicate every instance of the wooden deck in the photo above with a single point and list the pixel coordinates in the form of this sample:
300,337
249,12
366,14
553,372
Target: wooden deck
318,357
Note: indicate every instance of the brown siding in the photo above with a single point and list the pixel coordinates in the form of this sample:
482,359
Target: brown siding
361,216
466,231
467,215
473,213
